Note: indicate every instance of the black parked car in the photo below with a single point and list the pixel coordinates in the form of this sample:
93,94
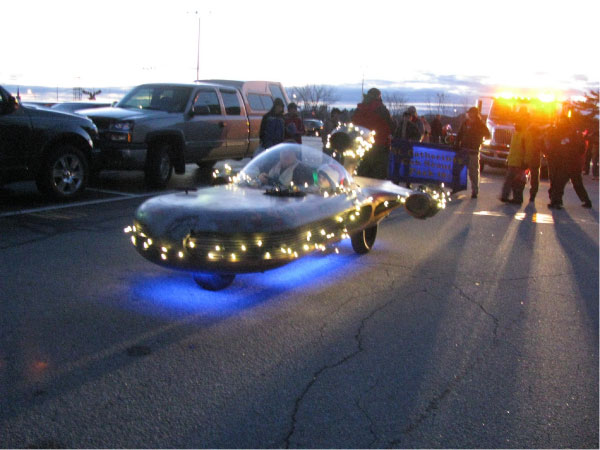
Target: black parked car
75,107
313,127
53,148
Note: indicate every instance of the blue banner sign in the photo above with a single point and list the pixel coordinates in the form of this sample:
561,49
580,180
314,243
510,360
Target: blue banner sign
417,162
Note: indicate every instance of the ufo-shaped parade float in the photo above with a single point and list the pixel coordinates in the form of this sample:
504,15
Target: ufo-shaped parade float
287,202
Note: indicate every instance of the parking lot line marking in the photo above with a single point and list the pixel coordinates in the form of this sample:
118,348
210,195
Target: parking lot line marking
106,191
528,217
57,215
78,204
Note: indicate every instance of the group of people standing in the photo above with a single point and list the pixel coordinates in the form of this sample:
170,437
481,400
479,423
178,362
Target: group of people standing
562,145
564,148
383,163
277,127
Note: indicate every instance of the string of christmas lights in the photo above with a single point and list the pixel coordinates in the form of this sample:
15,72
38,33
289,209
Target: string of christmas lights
184,242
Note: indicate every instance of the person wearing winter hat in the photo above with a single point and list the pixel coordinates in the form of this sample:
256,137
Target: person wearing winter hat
470,136
272,126
373,114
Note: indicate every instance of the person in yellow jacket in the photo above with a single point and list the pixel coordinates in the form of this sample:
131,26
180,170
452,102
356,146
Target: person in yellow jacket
515,174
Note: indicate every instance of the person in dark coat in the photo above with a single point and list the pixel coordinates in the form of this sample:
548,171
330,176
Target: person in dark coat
436,129
272,126
331,124
593,139
373,114
564,163
470,136
401,154
533,159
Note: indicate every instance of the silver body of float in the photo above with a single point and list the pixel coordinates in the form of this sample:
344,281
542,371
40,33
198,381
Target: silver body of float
246,227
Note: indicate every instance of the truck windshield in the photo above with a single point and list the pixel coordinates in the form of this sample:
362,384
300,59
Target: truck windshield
157,97
506,110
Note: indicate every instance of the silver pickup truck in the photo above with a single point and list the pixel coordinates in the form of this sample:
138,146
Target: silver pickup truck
159,128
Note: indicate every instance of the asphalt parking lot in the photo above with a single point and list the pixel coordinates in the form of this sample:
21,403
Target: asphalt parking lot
476,328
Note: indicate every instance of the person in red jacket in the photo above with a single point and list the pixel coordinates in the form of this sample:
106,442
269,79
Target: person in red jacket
373,114
294,127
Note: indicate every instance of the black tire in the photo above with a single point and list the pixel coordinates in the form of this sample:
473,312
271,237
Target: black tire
159,167
214,281
206,165
64,173
205,170
363,241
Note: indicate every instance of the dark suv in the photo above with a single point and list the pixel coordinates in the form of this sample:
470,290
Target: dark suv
53,148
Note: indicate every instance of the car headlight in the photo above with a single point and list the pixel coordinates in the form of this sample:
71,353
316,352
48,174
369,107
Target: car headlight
121,131
124,127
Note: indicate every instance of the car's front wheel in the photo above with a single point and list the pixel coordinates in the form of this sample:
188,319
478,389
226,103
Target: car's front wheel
159,167
214,281
363,241
64,173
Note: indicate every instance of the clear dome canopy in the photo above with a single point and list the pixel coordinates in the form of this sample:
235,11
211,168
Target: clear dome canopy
295,166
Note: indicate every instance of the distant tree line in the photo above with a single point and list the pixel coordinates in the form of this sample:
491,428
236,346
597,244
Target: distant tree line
585,112
316,101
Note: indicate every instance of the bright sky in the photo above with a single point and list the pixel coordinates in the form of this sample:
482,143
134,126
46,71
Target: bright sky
504,43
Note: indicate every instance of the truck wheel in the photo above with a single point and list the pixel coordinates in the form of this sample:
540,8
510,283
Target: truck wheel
64,173
362,241
158,167
214,281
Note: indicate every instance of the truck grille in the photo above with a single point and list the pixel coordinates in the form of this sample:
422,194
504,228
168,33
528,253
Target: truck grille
101,123
501,136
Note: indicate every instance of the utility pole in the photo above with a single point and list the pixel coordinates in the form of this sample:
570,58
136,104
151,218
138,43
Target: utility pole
362,86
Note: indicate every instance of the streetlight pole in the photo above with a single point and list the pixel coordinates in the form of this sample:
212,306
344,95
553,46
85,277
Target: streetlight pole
198,54
198,44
